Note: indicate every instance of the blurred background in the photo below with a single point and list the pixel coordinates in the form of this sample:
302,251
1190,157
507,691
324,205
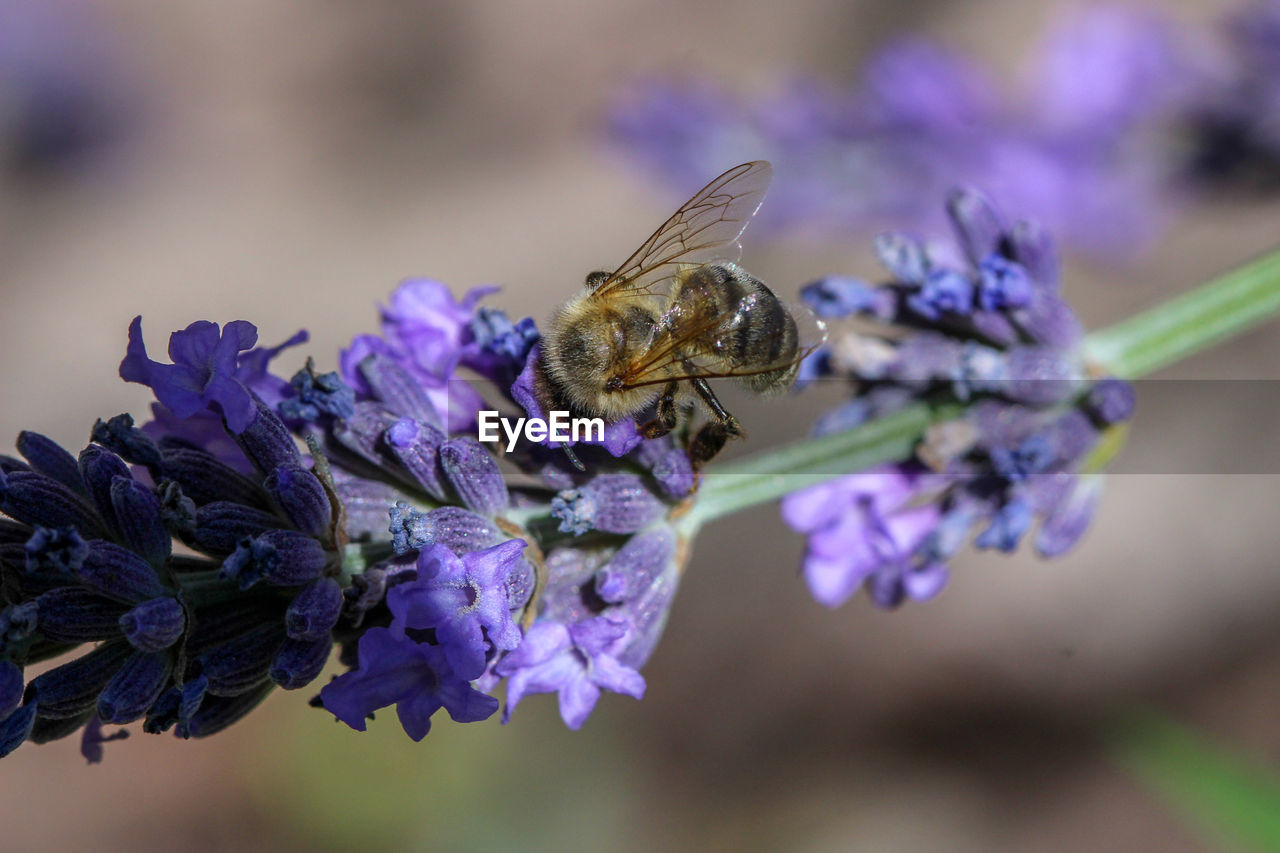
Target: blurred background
289,163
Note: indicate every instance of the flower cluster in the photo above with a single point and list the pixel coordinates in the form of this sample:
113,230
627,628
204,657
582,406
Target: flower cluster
985,327
192,638
1119,118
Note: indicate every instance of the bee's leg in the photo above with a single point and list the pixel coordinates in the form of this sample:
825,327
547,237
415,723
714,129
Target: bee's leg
732,429
666,418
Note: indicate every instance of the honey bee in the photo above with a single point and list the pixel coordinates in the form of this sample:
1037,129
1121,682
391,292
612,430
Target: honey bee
679,311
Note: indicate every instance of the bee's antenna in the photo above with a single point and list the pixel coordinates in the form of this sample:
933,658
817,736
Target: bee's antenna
573,457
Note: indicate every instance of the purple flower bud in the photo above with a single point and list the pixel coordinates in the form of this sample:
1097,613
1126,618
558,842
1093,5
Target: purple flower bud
315,610
137,512
613,503
474,474
1041,375
674,472
218,712
98,468
221,525
903,257
205,478
1007,527
1002,284
134,688
267,441
11,685
299,661
278,557
118,573
154,625
1067,522
1111,401
61,550
316,395
1033,248
944,291
240,664
840,296
72,615
365,504
636,565
16,728
72,689
48,458
1049,320
978,226
363,432
17,623
303,499
44,502
397,390
417,444
121,437
177,511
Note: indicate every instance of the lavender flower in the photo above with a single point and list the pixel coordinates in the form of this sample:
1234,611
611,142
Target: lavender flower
985,325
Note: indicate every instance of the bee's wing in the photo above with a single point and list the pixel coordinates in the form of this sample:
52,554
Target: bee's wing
700,231
681,355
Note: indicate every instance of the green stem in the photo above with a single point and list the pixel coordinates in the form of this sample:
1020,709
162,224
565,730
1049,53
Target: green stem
1131,348
1173,330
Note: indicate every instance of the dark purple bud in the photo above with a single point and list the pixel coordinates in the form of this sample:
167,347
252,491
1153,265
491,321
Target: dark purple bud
214,624
154,625
475,475
1050,321
119,573
221,525
120,436
99,467
318,394
674,473
73,615
302,498
177,511
995,327
1007,527
10,687
1067,522
176,705
1033,248
17,623
8,463
218,712
48,458
135,687
205,478
944,291
13,532
267,441
903,257
977,224
278,557
60,550
613,503
1032,456
367,591
417,444
636,565
1002,284
839,296
48,729
459,530
365,504
73,688
1111,401
44,502
315,610
299,662
362,433
397,390
137,511
16,728
240,664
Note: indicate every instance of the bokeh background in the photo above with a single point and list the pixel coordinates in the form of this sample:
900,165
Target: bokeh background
289,162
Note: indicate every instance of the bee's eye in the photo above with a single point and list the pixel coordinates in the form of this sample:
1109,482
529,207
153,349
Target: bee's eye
596,279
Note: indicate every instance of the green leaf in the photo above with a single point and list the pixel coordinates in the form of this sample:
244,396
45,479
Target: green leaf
1232,800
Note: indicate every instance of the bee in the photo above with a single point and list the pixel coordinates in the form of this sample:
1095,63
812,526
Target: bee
647,336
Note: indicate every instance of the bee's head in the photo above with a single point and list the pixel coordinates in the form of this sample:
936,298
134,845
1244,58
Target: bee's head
596,279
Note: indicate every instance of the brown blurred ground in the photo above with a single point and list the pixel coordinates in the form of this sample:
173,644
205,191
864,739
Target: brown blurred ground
297,160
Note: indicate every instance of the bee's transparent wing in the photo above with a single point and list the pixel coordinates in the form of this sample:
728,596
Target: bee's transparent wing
706,228
684,355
